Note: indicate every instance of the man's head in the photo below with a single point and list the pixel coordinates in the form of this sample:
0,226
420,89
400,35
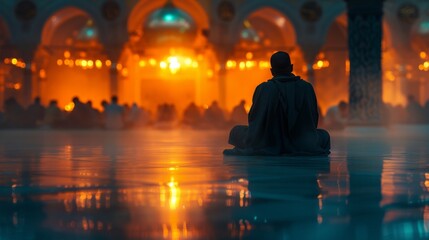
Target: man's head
281,64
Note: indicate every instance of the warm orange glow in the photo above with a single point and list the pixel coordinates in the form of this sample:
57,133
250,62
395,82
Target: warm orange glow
125,72
142,63
119,67
231,64
423,55
14,61
174,194
108,63
242,65
6,60
319,63
17,86
98,64
173,64
163,65
42,73
426,64
409,75
188,61
390,76
249,55
69,107
152,62
59,62
90,63
67,54
84,63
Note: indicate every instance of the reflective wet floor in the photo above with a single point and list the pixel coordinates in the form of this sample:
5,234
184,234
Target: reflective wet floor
153,184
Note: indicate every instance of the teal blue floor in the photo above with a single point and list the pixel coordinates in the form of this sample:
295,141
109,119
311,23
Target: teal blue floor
153,184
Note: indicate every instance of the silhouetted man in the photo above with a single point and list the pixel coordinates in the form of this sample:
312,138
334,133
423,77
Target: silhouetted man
283,117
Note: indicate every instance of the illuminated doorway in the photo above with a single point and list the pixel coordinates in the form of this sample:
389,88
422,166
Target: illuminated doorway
167,59
70,60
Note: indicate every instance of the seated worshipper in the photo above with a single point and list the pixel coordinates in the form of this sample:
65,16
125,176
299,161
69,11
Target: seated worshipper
239,114
283,117
336,116
114,115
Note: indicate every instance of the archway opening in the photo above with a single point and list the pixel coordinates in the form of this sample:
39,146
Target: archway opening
70,60
167,59
420,44
263,32
332,67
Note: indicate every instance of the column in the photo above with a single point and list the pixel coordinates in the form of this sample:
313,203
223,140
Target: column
365,81
26,53
310,52
222,52
114,54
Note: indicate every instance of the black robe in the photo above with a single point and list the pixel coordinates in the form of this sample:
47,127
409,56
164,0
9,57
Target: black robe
282,121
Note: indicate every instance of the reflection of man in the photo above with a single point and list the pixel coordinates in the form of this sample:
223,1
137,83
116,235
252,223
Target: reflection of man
283,117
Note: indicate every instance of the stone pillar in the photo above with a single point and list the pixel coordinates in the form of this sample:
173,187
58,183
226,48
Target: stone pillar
365,84
26,53
222,52
114,54
310,52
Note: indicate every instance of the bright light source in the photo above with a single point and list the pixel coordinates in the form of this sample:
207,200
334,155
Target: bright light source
69,107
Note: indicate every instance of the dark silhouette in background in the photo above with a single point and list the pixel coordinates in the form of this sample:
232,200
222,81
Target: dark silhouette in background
283,118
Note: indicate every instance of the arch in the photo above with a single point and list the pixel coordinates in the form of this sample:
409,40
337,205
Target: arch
56,6
143,8
338,14
247,9
57,20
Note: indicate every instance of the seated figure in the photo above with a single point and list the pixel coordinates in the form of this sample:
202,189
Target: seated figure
337,116
283,117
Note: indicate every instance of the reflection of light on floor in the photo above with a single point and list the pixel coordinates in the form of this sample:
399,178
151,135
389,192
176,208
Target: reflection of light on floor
174,193
426,218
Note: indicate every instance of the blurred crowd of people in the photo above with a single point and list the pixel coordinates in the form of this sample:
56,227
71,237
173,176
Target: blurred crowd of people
336,117
116,116
123,116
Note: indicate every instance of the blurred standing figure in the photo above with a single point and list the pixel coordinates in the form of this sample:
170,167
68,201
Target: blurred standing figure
336,116
114,115
414,111
79,116
14,114
53,114
35,113
239,114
